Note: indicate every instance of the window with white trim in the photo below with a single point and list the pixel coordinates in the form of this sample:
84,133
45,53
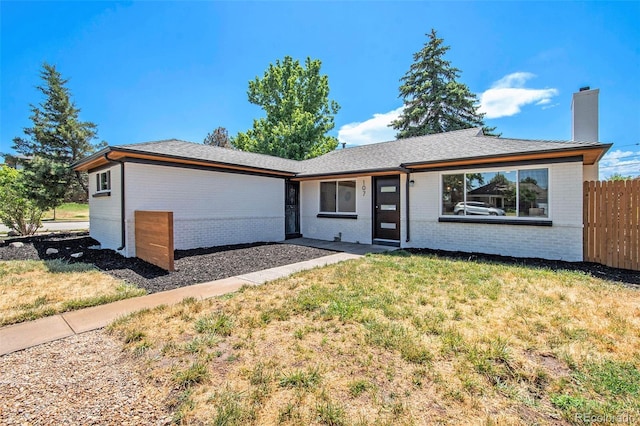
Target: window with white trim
338,196
103,181
518,193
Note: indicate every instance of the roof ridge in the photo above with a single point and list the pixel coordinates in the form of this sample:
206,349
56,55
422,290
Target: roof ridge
153,142
338,151
550,140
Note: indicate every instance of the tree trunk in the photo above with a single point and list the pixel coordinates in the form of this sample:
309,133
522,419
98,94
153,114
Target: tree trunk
81,182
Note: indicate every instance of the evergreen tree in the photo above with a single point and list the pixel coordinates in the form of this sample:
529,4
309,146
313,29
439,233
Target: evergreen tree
434,101
219,137
57,139
298,112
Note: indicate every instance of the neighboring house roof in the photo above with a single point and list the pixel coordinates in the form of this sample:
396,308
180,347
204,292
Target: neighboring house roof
460,147
500,189
16,160
493,188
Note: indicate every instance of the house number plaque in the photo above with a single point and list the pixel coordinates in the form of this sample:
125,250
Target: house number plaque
364,189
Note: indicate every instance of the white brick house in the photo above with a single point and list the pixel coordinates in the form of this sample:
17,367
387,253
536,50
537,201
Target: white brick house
461,191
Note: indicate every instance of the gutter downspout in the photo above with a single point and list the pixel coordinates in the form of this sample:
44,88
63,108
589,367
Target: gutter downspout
407,186
122,209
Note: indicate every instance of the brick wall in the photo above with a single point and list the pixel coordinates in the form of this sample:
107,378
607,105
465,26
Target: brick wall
563,240
209,208
105,211
212,208
327,228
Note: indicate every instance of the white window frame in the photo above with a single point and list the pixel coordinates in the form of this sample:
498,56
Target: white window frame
517,169
99,181
336,181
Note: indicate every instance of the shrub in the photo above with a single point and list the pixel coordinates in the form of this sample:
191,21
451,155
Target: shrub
17,212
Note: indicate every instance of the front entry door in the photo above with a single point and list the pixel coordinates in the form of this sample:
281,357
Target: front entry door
387,208
292,209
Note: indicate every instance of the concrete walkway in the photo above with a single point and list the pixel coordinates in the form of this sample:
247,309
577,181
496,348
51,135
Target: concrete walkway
24,335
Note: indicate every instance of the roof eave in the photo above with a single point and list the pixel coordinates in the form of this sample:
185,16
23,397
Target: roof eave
86,163
98,159
596,152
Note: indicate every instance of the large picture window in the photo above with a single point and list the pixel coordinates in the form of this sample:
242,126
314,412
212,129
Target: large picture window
511,193
338,196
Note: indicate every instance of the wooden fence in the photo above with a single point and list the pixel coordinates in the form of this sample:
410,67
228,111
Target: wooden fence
612,223
154,238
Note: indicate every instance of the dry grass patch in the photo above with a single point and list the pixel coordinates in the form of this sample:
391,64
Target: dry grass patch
398,339
69,212
34,289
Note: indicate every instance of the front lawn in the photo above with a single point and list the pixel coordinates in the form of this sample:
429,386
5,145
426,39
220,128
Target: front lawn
33,289
398,339
68,212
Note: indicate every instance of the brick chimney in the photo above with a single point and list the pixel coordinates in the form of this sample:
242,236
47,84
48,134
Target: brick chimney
584,115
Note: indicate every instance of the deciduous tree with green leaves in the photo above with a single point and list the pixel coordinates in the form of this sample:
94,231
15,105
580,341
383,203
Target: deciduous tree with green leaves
56,140
17,211
619,176
434,100
298,112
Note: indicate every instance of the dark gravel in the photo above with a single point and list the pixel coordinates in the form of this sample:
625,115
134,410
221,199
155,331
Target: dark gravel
192,266
208,264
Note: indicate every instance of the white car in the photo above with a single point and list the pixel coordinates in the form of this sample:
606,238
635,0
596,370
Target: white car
477,207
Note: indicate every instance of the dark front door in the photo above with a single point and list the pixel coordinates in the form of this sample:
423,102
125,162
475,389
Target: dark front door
292,209
387,208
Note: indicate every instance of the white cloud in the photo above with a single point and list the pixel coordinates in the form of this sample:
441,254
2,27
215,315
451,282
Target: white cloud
626,163
375,129
517,79
507,95
550,106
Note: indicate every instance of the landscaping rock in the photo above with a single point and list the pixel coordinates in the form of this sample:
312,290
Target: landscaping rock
51,251
77,255
12,233
17,244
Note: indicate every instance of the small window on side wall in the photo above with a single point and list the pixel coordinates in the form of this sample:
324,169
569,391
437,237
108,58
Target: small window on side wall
103,181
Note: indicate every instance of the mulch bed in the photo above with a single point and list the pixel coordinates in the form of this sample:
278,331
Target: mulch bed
192,266
624,276
208,264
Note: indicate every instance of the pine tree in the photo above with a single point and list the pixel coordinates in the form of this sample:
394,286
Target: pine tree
57,139
219,137
434,101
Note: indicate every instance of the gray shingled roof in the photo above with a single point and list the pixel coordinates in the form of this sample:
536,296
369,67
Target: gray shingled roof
456,145
190,150
393,155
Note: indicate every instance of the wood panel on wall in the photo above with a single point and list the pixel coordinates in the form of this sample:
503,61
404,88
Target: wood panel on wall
154,238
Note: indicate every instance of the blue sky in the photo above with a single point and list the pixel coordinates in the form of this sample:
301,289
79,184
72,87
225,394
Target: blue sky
156,70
